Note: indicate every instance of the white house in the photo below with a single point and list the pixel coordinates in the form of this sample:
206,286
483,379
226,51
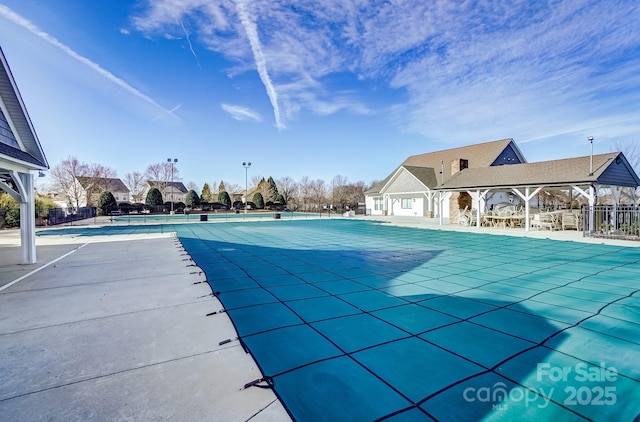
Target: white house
411,189
91,187
171,191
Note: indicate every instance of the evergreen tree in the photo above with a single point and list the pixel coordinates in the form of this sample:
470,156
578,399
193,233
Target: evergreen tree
263,188
258,200
222,187
154,197
272,190
107,202
192,199
206,193
224,198
280,200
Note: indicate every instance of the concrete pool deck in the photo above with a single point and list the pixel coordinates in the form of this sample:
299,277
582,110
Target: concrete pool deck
113,328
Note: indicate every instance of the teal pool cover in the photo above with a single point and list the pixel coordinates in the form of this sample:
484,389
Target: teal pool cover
354,320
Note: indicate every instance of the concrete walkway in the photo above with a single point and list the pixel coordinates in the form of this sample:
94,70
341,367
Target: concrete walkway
115,329
434,224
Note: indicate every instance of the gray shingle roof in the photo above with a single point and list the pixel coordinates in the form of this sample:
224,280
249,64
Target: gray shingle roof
112,185
426,175
179,186
563,172
479,155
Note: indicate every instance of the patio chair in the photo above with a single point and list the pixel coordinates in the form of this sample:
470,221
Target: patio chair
569,221
548,221
464,219
534,221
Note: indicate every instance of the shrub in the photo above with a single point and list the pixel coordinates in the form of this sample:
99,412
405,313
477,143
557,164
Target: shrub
258,200
106,203
192,199
154,197
43,204
12,209
224,198
217,206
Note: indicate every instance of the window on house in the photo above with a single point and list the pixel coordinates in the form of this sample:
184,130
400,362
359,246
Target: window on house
377,204
405,203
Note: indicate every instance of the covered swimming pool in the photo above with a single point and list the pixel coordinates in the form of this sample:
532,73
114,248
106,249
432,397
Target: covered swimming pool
356,320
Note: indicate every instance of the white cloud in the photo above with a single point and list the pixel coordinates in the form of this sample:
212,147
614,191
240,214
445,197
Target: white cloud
242,114
469,71
29,26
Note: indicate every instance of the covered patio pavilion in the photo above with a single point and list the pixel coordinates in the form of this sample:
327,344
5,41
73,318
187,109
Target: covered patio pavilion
584,175
20,156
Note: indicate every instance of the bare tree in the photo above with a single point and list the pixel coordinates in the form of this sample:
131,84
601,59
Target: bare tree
192,186
234,188
135,182
319,193
255,180
294,202
354,193
64,177
286,188
631,151
161,174
338,191
304,187
65,180
213,186
100,181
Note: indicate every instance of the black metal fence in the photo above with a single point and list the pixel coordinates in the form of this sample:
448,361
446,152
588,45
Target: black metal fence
61,215
612,222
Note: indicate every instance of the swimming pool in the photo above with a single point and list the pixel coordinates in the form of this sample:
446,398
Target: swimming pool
354,320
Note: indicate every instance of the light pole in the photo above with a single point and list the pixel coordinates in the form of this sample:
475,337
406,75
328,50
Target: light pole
592,203
246,166
590,139
172,164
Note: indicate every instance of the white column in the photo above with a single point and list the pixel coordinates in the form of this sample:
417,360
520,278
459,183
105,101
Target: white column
28,219
526,210
526,197
440,208
478,222
592,204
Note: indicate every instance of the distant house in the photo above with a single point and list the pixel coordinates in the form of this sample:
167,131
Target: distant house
89,189
411,189
171,191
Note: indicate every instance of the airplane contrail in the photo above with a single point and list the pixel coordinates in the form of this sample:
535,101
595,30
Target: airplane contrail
190,45
251,30
19,20
168,112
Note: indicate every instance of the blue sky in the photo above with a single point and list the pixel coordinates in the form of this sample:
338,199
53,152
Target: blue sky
320,88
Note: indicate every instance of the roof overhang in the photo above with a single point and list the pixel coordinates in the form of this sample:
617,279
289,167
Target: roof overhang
29,154
610,169
400,170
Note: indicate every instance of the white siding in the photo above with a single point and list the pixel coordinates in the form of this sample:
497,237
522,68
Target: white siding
417,203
